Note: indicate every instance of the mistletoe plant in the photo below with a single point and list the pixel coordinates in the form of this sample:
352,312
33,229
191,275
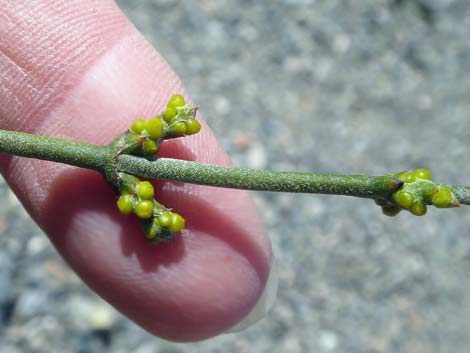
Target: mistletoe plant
134,154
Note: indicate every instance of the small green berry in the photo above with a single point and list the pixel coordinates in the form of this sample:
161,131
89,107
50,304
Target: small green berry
125,204
165,219
144,209
192,126
145,190
138,126
418,209
443,198
169,113
176,101
390,211
404,199
408,177
178,128
154,128
150,147
177,223
422,173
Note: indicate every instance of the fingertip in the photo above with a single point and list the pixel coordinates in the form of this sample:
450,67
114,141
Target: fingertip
191,289
264,303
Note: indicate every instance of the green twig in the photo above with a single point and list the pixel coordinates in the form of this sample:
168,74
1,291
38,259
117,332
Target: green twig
461,192
261,180
102,158
78,154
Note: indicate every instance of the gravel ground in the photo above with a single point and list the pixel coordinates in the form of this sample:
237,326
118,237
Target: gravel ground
331,86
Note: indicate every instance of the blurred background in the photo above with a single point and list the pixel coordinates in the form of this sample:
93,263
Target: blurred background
331,86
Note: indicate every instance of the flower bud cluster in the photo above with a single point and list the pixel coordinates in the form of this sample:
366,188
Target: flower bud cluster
136,196
177,120
143,139
417,192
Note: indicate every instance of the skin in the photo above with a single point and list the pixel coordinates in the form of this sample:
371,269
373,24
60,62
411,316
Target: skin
80,70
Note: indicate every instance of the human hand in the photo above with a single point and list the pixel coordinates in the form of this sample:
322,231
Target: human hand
80,70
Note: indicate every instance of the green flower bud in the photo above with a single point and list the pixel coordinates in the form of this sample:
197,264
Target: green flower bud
144,209
418,209
192,127
125,204
422,173
145,190
138,126
443,198
176,101
405,176
165,219
177,223
150,147
169,113
408,177
404,199
154,128
178,128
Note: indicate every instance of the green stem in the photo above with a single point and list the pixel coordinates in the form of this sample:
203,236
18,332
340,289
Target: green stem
461,192
102,159
54,149
261,180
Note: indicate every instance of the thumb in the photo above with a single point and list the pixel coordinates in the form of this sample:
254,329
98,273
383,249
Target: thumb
80,70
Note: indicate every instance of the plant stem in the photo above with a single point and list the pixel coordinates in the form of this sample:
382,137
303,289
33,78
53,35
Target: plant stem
54,149
461,192
102,158
261,180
